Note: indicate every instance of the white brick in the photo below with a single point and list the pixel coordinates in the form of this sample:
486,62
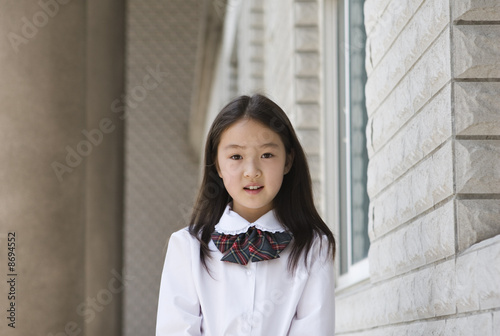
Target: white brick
496,323
389,23
477,220
476,49
466,279
373,12
256,19
306,39
344,318
413,329
424,28
426,293
309,140
424,80
318,191
435,64
438,233
256,35
257,68
371,212
432,328
424,133
476,10
434,291
314,167
415,38
426,185
469,325
390,312
394,112
428,239
488,272
379,260
422,289
307,116
413,255
307,64
401,293
477,166
391,71
257,53
307,90
476,108
306,13
444,288
256,5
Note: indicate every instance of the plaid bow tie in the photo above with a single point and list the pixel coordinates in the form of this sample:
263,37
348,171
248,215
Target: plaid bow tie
255,245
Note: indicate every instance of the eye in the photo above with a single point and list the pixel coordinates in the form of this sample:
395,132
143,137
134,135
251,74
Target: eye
267,155
236,157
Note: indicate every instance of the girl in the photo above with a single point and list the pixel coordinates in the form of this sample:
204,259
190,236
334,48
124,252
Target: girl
256,259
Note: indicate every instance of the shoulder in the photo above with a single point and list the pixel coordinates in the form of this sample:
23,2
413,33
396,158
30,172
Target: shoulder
182,239
321,249
181,234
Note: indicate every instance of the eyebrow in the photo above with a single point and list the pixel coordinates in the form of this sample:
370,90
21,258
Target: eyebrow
266,145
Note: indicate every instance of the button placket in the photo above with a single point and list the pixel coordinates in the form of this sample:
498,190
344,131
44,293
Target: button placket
251,278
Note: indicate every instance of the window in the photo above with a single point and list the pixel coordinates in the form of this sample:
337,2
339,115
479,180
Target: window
346,120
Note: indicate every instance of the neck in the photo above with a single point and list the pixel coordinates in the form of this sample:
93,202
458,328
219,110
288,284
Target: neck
251,215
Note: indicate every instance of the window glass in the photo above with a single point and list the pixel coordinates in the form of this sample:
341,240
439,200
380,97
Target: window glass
353,156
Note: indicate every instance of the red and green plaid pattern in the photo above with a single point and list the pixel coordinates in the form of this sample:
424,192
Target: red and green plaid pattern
255,245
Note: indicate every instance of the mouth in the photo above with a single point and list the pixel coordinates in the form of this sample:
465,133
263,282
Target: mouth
253,189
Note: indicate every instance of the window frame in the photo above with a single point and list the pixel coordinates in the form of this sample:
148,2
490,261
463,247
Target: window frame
358,272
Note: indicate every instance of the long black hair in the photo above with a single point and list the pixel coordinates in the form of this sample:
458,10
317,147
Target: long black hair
293,205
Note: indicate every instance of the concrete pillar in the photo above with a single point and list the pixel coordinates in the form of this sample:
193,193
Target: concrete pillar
104,171
61,166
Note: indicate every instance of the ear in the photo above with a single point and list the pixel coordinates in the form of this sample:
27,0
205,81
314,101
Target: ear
289,161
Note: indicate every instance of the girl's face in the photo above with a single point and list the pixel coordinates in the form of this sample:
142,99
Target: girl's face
252,160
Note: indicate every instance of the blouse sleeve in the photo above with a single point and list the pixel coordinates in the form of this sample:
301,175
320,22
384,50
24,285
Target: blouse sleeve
179,310
315,313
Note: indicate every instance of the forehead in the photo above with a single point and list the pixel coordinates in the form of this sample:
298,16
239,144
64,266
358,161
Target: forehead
249,133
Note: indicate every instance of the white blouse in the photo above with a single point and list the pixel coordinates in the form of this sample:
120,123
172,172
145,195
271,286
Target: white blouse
262,298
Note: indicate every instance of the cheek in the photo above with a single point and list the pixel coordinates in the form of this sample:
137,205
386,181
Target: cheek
276,174
229,172
229,168
278,180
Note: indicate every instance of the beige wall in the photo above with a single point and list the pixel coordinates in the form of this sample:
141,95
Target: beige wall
62,66
161,170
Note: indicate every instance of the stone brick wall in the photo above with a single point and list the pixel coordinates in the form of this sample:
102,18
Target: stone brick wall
433,173
250,48
308,99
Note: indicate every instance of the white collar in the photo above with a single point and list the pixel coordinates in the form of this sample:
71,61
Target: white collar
233,223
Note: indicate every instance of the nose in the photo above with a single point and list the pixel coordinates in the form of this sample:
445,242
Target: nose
252,170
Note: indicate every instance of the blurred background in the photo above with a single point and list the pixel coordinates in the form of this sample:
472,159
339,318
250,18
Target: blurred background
104,108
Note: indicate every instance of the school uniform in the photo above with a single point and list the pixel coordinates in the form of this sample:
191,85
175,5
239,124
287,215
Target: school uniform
260,298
